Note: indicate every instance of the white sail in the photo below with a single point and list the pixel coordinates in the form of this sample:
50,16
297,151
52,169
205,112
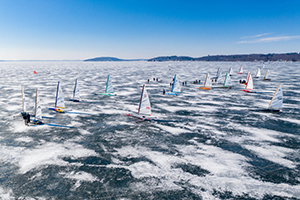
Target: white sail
258,74
230,71
249,82
277,99
38,109
219,74
241,70
176,85
23,99
144,105
76,94
227,81
267,75
208,82
109,87
59,101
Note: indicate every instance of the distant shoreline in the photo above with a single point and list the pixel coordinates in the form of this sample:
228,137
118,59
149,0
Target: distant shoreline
292,57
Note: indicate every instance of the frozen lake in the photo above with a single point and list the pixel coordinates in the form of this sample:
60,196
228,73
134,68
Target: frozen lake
213,145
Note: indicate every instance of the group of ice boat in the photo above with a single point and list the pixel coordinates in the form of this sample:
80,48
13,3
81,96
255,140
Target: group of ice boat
144,106
59,104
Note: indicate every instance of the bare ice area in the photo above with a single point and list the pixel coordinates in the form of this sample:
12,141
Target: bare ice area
205,145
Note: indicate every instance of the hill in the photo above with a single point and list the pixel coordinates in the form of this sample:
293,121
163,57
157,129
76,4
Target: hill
295,57
111,59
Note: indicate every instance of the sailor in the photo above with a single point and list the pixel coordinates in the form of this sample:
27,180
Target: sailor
28,118
148,80
164,92
153,79
199,81
24,115
185,82
156,79
182,83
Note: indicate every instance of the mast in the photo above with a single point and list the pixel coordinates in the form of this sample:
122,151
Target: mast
35,108
225,79
56,94
75,87
106,83
273,96
141,99
173,83
266,73
205,79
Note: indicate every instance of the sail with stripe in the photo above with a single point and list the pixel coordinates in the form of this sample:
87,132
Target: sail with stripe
23,99
176,86
267,75
109,87
207,82
240,70
249,82
144,104
59,100
277,99
227,81
38,109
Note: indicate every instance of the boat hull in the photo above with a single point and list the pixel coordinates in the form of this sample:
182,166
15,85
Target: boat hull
204,88
141,117
107,94
246,90
172,93
269,110
74,100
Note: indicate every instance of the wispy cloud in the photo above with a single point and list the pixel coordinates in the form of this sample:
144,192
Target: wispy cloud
256,36
271,39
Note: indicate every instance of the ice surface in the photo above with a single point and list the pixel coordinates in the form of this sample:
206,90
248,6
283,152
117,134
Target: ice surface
209,145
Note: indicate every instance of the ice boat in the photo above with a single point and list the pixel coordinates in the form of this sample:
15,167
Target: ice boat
249,83
227,82
276,102
37,120
109,90
257,74
230,71
76,95
23,112
59,101
176,89
144,110
207,83
218,75
240,70
267,76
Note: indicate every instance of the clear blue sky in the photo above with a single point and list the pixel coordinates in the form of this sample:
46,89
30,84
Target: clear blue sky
81,29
